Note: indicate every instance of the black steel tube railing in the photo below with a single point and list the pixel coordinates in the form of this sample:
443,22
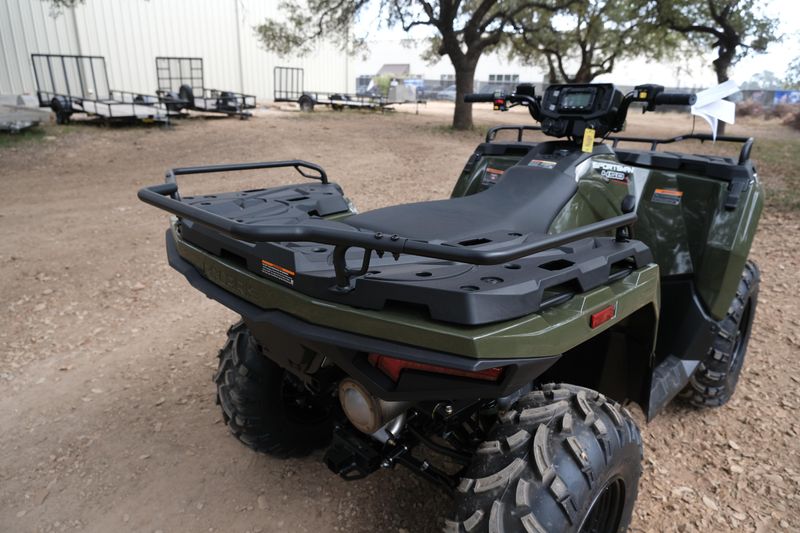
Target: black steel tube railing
161,196
744,154
297,164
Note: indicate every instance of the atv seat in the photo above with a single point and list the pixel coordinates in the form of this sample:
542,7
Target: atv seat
525,201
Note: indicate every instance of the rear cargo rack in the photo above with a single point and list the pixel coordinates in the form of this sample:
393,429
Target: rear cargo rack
166,196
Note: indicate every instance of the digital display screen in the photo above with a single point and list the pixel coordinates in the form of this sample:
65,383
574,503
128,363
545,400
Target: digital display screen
577,99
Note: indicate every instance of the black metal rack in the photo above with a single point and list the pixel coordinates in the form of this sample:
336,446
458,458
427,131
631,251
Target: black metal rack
79,84
181,85
165,196
744,153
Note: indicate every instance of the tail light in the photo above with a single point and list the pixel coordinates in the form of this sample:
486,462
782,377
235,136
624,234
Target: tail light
392,367
603,316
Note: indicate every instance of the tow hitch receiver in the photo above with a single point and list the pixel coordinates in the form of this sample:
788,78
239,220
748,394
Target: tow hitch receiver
351,456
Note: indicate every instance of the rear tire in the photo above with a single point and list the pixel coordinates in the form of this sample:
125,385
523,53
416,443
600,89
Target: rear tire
715,379
563,459
264,406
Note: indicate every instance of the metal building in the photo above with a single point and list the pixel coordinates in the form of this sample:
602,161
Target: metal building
132,33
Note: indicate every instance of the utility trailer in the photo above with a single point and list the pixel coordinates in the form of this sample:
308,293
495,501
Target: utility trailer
289,86
70,84
181,86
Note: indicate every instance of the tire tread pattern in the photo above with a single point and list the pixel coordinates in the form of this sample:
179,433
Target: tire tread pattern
248,391
714,381
570,439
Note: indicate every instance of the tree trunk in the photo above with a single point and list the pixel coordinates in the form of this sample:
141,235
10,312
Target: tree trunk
721,65
465,82
584,73
552,75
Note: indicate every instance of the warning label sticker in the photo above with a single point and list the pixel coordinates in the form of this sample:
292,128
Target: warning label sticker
541,163
667,196
491,176
278,272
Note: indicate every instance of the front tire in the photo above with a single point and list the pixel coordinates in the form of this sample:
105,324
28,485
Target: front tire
714,381
306,103
266,407
564,459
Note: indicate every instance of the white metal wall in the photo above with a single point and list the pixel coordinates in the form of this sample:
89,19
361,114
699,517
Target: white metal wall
131,33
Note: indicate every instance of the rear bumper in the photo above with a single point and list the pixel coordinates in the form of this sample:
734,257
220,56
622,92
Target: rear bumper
548,333
524,347
274,328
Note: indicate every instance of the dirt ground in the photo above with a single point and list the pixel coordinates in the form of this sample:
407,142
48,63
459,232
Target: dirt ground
107,418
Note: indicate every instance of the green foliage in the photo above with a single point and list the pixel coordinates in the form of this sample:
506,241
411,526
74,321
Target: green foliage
792,80
462,30
305,23
735,28
64,3
383,83
763,80
57,6
11,140
588,38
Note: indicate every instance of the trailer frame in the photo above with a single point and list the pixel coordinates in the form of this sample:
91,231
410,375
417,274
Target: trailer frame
289,86
181,86
69,83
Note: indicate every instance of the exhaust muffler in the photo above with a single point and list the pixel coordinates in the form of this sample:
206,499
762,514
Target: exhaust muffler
366,412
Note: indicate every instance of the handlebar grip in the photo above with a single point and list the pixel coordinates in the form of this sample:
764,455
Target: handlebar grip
675,99
479,97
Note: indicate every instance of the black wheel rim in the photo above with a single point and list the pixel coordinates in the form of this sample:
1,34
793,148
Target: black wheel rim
605,513
301,405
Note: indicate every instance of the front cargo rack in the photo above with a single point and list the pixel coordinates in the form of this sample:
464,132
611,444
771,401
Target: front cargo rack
744,153
737,173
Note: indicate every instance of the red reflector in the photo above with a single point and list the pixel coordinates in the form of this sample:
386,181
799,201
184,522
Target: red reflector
601,317
391,366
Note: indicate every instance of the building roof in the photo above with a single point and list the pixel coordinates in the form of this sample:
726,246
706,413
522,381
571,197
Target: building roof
395,69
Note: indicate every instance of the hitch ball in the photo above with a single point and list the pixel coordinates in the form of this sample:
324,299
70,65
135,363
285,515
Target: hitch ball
366,412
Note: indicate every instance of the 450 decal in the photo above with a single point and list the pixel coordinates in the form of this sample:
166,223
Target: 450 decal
613,171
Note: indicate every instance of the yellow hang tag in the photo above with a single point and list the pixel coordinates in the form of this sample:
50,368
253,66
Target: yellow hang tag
588,140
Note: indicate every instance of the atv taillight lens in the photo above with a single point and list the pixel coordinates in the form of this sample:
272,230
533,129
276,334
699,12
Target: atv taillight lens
603,316
392,367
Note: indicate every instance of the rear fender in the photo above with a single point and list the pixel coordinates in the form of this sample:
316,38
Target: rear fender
618,362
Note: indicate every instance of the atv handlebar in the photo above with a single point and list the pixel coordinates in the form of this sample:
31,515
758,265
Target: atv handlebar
675,99
480,97
650,95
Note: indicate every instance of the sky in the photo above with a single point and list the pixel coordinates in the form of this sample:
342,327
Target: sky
777,58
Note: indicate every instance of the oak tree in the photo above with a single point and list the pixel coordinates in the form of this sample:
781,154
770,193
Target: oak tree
462,30
734,28
589,38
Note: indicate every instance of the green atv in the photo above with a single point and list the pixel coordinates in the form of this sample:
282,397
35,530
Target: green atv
488,341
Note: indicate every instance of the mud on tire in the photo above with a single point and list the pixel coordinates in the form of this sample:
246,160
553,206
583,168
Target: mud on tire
263,405
560,453
715,379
